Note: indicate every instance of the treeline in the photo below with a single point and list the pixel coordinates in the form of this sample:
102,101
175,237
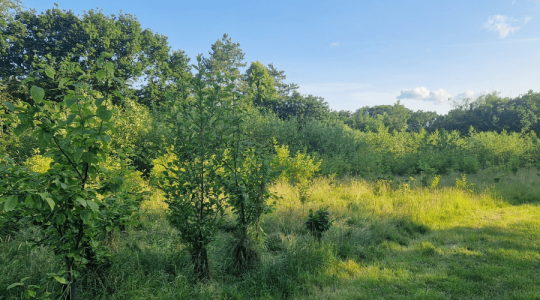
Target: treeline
488,131
153,72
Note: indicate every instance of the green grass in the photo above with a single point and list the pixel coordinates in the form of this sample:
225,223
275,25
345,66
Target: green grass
390,240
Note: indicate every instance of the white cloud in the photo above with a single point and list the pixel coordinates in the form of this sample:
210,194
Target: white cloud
421,93
498,23
465,95
334,44
527,19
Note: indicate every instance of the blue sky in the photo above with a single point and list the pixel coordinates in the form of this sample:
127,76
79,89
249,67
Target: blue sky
361,53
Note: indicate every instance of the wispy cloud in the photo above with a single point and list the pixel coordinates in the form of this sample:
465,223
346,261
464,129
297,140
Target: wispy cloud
510,41
334,44
421,93
499,23
527,19
469,94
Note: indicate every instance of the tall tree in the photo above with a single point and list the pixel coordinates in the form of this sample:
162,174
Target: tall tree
421,119
283,89
165,78
58,35
226,58
260,87
394,117
303,107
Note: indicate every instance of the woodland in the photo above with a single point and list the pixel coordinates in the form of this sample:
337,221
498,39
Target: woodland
130,171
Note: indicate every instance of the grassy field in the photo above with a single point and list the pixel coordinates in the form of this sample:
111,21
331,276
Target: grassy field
390,240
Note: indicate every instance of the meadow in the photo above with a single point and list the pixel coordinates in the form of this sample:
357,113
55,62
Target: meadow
463,238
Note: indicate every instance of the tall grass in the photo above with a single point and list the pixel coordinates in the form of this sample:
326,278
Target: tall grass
390,240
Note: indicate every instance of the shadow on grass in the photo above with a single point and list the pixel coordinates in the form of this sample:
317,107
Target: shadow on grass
459,263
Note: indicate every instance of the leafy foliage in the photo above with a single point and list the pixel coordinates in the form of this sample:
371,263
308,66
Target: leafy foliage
319,222
77,200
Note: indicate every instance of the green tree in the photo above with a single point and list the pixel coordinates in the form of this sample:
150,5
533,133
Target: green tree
55,36
191,180
260,87
226,58
77,199
421,119
283,89
303,108
246,179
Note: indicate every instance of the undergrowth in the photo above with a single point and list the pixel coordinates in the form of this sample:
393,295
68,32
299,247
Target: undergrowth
390,239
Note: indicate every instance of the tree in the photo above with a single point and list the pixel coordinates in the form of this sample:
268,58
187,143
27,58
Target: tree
165,79
421,119
226,58
394,117
191,179
77,200
303,107
283,89
246,179
260,87
57,36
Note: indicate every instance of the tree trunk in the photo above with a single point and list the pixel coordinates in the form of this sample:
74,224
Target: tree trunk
199,258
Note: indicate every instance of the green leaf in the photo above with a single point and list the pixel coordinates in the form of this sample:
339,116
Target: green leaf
118,80
86,216
29,201
81,201
104,138
105,115
101,74
46,197
71,118
69,102
9,105
117,93
37,93
99,101
47,136
62,280
93,205
15,284
51,202
60,219
88,157
11,203
110,67
78,154
23,117
100,61
49,72
20,129
62,82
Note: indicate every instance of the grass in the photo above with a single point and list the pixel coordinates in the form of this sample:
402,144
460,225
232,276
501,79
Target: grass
390,240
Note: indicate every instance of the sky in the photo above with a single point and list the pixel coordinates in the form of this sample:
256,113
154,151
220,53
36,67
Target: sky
425,54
